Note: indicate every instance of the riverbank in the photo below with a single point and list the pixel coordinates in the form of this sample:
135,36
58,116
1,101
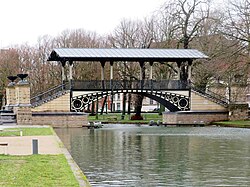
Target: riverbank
126,119
53,166
238,124
155,117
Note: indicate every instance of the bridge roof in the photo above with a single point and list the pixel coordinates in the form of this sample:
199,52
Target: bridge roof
114,54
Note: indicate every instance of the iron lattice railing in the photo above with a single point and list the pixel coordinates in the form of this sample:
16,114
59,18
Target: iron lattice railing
49,93
209,94
128,85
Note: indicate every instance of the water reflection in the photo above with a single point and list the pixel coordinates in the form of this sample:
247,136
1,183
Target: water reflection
119,155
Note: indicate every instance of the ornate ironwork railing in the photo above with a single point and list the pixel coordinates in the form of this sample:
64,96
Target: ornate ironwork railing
209,94
128,85
49,93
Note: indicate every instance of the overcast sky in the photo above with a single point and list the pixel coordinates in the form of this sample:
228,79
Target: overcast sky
23,21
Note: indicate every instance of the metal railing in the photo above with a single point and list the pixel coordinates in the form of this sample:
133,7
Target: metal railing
49,93
128,85
212,95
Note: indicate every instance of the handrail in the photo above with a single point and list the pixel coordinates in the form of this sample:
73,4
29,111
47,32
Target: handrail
128,85
48,93
219,98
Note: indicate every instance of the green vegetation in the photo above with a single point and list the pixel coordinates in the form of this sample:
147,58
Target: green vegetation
117,118
36,170
239,123
41,131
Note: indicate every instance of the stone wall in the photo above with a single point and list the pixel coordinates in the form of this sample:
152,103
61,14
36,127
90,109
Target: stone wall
238,111
193,117
59,119
23,115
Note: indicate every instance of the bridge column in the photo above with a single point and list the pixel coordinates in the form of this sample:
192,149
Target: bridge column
141,69
63,71
151,70
189,70
141,73
102,72
70,74
151,75
70,70
111,84
179,70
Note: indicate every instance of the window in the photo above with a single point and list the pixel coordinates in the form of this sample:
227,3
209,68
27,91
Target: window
118,106
151,102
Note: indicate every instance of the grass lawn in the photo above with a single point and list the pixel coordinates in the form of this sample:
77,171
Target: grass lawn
40,131
117,118
239,123
35,170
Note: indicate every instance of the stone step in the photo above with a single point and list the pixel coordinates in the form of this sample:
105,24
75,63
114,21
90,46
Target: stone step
8,121
7,118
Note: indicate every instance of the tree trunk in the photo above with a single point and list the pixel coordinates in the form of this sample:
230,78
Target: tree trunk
138,105
124,104
129,103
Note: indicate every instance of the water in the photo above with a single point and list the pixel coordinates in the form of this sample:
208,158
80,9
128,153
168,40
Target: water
129,155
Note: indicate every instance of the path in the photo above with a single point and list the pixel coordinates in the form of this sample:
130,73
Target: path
22,145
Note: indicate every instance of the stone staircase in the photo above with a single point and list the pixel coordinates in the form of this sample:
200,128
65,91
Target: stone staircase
49,95
216,98
7,118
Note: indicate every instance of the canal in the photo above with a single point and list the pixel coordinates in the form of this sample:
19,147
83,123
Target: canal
130,155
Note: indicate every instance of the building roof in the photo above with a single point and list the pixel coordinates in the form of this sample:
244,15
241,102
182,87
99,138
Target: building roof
112,54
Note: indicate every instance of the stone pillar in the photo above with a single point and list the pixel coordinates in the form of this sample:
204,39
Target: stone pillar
23,106
10,96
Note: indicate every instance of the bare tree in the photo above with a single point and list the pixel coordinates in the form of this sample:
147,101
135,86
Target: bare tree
132,34
181,23
9,66
237,27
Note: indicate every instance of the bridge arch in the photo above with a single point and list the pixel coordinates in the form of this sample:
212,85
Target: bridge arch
172,101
